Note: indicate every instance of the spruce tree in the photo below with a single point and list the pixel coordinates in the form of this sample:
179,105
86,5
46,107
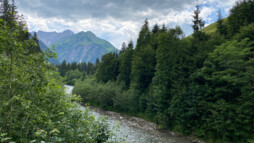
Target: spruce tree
156,29
36,47
97,62
167,57
164,28
198,23
108,69
144,36
220,27
125,60
8,13
143,60
124,47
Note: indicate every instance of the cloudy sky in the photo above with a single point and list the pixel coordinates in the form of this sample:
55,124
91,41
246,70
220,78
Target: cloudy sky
116,20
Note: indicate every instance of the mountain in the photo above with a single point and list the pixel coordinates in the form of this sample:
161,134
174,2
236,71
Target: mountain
49,38
80,47
42,46
83,47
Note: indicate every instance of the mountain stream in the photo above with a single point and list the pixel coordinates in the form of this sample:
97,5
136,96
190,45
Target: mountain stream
135,130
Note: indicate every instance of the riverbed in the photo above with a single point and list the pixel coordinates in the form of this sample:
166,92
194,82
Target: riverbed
135,130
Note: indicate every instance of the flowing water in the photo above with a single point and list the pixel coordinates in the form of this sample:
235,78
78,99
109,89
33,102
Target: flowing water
135,130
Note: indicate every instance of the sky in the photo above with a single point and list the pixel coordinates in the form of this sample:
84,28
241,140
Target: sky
117,21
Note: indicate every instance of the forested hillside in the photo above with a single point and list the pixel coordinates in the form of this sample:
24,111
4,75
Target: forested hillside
33,104
202,85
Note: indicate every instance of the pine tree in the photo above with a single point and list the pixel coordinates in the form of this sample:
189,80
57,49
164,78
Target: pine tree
220,27
124,47
198,23
156,29
143,60
167,57
199,49
163,29
144,36
130,45
8,13
97,62
108,69
125,60
36,47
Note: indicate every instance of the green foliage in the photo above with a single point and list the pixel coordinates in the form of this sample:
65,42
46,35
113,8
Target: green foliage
144,36
106,95
221,28
246,32
33,102
240,15
74,71
72,75
35,48
108,69
33,105
143,66
98,94
229,71
198,23
167,55
125,60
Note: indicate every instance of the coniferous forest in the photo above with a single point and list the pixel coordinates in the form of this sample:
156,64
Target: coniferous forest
200,85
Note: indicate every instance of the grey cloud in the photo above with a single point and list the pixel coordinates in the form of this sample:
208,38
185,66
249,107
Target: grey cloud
114,20
119,9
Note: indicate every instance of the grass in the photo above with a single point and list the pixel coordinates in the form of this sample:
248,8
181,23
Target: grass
210,29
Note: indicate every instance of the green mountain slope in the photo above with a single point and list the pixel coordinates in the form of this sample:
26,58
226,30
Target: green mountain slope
83,47
212,27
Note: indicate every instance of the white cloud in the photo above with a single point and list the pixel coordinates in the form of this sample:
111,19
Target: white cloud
116,22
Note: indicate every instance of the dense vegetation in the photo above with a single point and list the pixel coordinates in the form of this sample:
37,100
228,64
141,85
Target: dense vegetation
202,85
33,104
74,71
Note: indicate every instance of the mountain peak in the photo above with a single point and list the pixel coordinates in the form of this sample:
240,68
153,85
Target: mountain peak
87,33
49,38
84,47
68,31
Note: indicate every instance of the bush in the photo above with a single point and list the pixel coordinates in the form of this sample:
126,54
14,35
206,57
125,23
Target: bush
72,75
106,95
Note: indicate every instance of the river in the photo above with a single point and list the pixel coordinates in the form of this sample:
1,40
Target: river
135,130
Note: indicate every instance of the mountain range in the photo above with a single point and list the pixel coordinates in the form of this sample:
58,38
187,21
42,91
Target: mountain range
80,47
49,38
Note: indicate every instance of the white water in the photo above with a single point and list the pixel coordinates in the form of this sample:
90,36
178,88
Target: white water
134,130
